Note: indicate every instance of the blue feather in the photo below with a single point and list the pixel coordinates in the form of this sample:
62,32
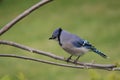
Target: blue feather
98,52
77,43
86,44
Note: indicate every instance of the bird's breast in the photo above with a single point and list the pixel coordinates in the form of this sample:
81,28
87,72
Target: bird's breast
74,50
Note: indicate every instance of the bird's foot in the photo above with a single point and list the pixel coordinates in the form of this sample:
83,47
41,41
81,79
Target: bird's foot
75,62
68,59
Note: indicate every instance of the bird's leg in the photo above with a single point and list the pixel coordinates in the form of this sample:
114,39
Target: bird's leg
68,59
76,59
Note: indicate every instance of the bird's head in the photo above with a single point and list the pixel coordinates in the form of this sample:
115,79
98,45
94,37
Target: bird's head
56,34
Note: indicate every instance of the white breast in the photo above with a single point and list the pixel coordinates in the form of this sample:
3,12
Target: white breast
74,50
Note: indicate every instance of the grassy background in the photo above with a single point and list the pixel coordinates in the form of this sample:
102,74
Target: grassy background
98,21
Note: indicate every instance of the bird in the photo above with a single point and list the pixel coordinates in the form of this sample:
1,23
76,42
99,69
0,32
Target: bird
73,44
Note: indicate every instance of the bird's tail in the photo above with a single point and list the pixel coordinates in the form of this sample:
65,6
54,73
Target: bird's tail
99,52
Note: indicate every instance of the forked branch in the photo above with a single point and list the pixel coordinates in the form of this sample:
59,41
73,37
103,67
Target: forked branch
52,63
40,60
85,65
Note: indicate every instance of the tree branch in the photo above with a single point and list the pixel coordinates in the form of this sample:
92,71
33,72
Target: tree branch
40,60
52,63
22,15
89,65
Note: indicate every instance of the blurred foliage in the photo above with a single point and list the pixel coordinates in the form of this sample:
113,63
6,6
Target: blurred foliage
94,75
98,21
6,77
21,76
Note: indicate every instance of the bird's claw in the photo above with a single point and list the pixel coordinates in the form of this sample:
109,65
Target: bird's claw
75,62
67,60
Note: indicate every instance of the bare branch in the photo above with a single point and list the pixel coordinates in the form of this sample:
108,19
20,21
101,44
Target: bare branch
52,63
10,43
40,60
97,66
116,69
22,15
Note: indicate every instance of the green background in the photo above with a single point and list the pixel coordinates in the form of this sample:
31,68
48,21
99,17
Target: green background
97,21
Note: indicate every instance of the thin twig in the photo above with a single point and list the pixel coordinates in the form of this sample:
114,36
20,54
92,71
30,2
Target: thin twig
116,69
22,15
98,66
52,63
40,60
26,48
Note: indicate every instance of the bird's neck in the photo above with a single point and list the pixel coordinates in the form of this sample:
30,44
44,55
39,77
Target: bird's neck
59,37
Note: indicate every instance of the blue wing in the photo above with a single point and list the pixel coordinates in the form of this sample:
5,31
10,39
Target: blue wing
77,43
84,43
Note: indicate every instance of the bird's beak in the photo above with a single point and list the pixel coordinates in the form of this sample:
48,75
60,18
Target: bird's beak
50,38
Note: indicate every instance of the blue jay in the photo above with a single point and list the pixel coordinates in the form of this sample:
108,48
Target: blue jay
73,44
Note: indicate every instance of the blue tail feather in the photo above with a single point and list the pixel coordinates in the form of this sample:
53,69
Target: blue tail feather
99,52
89,46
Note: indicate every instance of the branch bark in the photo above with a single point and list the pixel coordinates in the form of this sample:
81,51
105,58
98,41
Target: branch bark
40,60
52,63
22,15
89,65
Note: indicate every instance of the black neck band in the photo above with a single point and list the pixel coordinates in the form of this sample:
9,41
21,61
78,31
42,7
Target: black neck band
60,30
